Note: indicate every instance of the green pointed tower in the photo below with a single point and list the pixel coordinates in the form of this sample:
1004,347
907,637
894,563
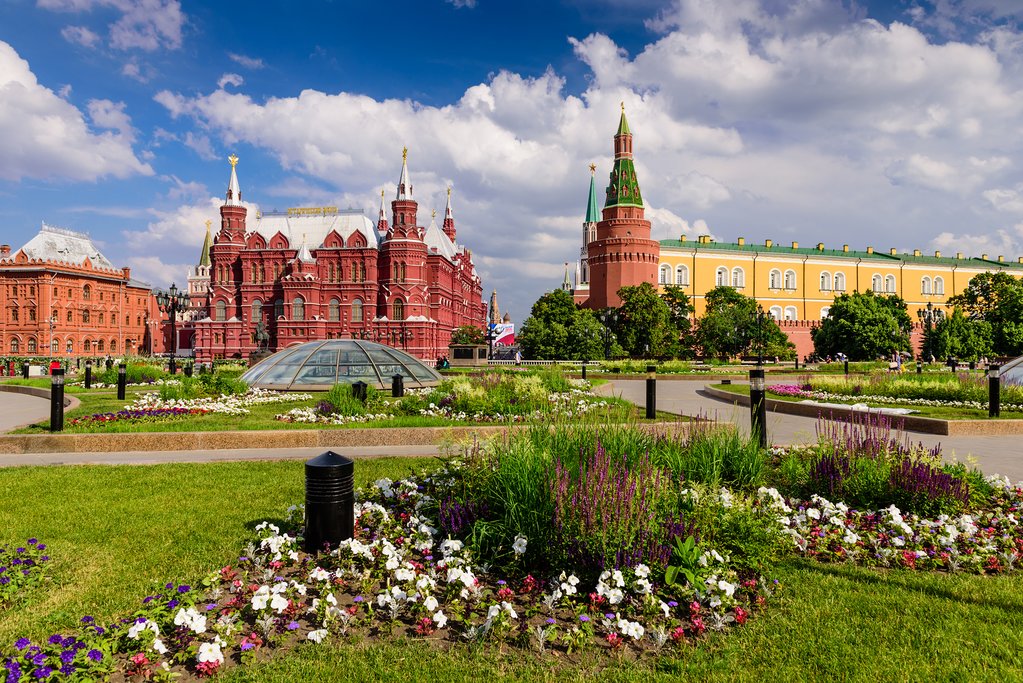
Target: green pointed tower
623,187
204,257
622,253
592,212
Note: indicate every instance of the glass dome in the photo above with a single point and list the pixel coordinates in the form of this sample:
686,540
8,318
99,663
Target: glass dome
319,365
1012,372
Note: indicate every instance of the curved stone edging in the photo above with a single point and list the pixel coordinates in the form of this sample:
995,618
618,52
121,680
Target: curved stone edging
70,402
911,423
279,438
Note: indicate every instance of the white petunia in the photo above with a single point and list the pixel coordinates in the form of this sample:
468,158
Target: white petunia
440,619
642,571
279,603
519,546
318,635
210,652
430,603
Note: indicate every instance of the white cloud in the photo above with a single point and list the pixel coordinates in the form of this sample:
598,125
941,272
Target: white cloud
80,35
133,70
143,24
463,3
247,62
1007,242
46,137
230,79
201,145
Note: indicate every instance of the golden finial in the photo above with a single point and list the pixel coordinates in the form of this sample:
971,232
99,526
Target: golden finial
623,106
404,154
433,214
234,160
381,194
208,222
449,192
593,169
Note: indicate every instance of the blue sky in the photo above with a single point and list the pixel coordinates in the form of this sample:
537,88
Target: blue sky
890,124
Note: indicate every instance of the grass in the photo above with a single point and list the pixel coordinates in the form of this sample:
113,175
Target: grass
937,412
830,622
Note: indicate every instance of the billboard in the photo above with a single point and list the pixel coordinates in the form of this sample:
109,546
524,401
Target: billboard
504,333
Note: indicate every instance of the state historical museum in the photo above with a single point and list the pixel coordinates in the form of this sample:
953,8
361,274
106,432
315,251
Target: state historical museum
319,273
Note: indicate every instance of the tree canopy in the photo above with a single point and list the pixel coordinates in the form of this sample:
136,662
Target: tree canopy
959,336
729,327
468,334
645,327
996,298
863,326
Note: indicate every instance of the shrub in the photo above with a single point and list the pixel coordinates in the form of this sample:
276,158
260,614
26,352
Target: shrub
344,401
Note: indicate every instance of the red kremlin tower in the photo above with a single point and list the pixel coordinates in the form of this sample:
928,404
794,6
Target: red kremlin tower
623,253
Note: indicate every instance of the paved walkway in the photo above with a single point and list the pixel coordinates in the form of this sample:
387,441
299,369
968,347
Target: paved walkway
1001,454
994,454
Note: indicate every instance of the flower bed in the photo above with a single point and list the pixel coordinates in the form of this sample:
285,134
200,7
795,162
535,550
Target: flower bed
793,391
21,569
135,415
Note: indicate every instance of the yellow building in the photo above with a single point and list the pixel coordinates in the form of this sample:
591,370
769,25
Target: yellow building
795,283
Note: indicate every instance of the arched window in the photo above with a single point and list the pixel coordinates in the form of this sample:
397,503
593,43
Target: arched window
775,312
825,281
839,282
54,346
403,273
257,311
738,278
101,317
334,310
330,273
665,275
774,280
113,345
87,292
221,308
99,345
278,309
15,346
682,276
398,310
85,316
31,345
889,284
721,277
298,308
70,346
357,311
70,316
939,285
87,346
925,285
876,283
825,312
790,312
790,279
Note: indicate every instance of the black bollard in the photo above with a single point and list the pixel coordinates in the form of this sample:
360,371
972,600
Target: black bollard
994,407
88,374
188,370
24,370
397,386
329,501
847,367
758,405
651,392
122,379
359,391
172,367
584,369
919,368
797,363
57,400
973,365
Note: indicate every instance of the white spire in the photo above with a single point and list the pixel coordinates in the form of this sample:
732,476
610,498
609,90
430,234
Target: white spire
404,183
234,191
447,209
303,253
383,215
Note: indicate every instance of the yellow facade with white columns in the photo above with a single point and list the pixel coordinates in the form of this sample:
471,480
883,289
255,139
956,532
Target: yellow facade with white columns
799,283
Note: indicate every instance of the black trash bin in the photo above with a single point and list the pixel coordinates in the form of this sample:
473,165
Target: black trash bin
397,386
329,501
359,390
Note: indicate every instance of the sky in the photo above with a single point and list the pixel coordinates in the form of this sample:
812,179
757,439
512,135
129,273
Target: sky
884,124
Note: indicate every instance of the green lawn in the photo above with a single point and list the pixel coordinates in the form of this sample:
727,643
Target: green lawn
937,412
117,533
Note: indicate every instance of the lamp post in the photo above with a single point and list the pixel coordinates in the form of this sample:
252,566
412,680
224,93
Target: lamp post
994,408
53,324
608,318
929,315
170,302
761,322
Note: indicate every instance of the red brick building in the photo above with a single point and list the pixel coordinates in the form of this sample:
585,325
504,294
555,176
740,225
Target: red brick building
60,297
320,273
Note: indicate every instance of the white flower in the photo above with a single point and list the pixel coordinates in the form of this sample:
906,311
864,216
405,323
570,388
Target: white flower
519,546
404,574
618,578
430,603
159,647
319,574
440,619
140,626
191,618
642,571
279,603
318,635
210,652
509,609
728,588
615,595
813,513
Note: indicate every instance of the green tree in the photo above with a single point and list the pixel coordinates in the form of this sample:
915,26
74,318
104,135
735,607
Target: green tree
645,328
468,334
680,307
729,327
544,334
585,337
996,298
863,327
959,336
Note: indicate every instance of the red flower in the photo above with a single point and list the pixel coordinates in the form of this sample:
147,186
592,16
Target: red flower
741,615
678,634
614,640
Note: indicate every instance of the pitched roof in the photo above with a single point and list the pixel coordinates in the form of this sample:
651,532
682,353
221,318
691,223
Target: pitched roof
58,244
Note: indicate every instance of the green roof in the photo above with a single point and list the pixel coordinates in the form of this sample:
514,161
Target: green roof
623,187
204,257
592,213
839,253
623,125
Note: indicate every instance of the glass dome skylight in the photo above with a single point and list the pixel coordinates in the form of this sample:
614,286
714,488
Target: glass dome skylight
320,365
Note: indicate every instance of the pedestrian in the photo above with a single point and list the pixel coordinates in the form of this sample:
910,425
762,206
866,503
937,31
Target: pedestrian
518,357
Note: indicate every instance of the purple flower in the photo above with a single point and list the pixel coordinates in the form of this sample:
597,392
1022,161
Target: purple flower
583,618
42,546
358,598
38,659
172,604
550,620
184,589
55,639
32,541
292,625
609,616
87,619
247,645
67,656
43,672
672,603
22,643
501,582
95,655
211,606
148,599
169,586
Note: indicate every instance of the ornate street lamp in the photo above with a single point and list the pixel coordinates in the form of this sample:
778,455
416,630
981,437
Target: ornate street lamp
171,302
608,318
929,316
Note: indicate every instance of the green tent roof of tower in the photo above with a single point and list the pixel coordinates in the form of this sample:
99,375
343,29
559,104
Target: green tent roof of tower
204,257
623,125
623,186
592,212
